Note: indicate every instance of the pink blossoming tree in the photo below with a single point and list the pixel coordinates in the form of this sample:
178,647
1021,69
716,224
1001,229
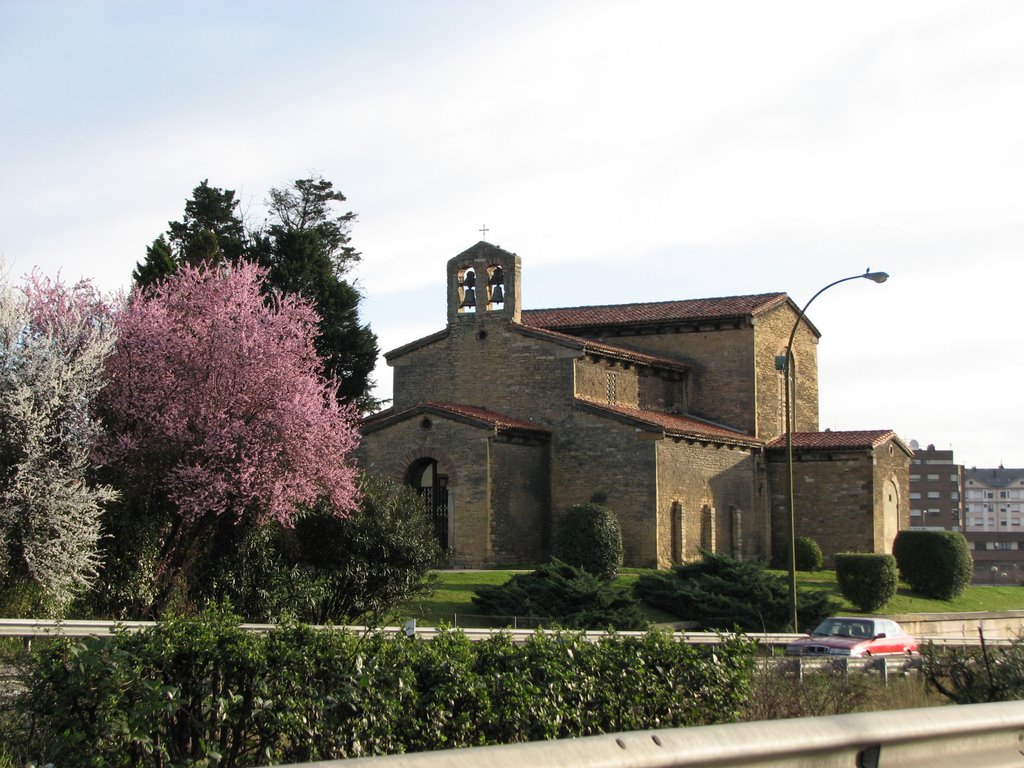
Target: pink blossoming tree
217,416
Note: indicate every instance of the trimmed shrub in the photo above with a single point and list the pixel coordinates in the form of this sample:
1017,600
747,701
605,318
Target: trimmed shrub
200,691
935,564
565,595
808,554
589,537
721,593
867,580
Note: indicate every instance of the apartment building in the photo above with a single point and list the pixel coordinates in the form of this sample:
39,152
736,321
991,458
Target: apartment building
936,490
994,523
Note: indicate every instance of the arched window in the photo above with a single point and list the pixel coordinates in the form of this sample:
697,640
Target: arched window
424,476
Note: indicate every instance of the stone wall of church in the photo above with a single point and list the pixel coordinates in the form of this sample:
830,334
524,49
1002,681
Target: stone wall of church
840,498
520,503
891,468
772,331
461,451
833,501
607,382
600,459
614,383
721,384
483,362
706,500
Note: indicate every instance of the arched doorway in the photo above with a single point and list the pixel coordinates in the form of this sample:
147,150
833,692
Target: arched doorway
425,477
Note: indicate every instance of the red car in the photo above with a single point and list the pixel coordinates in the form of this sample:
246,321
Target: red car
854,636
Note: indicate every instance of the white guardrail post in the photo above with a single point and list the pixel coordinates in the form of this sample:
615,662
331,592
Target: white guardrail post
965,736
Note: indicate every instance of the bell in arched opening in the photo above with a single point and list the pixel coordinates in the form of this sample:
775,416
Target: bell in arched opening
498,294
469,298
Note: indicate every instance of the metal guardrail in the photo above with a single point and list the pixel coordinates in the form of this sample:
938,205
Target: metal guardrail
38,628
30,629
966,736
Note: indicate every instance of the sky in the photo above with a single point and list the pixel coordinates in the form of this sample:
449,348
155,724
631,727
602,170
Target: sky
634,151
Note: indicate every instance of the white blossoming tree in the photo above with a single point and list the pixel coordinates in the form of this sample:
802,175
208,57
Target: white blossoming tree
54,340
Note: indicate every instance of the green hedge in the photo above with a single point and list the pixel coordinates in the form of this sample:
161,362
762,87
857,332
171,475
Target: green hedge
935,564
868,581
200,691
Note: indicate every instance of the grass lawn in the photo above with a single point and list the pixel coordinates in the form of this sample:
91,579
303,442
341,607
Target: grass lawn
451,602
906,601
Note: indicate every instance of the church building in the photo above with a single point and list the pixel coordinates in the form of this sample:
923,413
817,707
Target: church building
670,413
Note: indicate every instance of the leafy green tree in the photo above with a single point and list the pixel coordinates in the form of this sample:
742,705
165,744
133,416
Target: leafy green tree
325,569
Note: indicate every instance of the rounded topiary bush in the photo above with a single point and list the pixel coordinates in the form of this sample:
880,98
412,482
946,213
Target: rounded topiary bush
934,563
868,581
589,537
808,554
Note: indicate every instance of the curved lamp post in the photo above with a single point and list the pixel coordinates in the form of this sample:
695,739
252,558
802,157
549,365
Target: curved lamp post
785,363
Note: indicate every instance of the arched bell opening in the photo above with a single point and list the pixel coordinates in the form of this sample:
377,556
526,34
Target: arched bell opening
495,287
424,476
467,290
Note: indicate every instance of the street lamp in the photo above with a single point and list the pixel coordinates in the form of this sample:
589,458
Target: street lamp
785,363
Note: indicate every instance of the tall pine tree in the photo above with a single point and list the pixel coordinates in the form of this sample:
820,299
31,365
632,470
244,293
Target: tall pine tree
307,251
305,246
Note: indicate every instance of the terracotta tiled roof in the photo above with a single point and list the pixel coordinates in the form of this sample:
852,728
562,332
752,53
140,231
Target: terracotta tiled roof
852,440
684,311
481,417
673,425
605,350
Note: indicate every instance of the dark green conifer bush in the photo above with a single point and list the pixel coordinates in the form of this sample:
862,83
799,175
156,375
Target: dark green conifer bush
563,595
719,592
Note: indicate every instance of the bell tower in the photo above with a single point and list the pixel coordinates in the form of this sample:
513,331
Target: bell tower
484,281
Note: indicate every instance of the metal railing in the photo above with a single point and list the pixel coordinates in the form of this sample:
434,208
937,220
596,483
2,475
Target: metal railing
966,736
30,629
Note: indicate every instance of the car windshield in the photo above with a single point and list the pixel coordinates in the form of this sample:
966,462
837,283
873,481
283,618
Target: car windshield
840,628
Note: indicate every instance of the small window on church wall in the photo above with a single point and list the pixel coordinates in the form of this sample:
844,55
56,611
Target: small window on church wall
467,290
610,387
495,287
